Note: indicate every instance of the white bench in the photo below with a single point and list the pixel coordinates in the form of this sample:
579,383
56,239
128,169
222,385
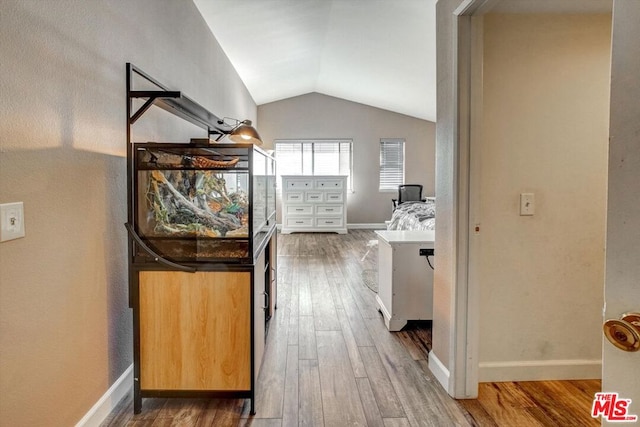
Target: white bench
405,280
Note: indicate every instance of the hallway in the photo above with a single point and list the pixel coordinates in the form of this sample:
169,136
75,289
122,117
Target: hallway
331,362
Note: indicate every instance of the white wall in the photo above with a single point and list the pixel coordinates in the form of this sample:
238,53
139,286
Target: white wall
65,325
544,131
444,279
316,116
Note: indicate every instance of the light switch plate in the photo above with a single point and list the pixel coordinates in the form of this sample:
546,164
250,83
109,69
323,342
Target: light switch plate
11,221
527,204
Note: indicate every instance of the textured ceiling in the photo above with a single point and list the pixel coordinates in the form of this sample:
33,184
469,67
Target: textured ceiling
376,52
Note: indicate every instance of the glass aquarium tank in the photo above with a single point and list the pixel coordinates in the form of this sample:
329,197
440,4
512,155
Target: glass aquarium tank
201,203
271,190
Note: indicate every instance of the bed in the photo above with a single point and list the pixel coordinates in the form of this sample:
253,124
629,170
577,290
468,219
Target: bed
418,216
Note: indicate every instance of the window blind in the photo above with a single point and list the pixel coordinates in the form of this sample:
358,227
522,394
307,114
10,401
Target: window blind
391,164
311,157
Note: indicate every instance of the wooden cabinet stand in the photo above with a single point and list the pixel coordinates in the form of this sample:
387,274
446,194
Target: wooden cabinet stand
202,334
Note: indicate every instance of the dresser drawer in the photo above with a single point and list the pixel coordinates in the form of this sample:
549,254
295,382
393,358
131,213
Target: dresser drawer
329,210
297,184
299,210
333,197
299,222
329,222
313,196
294,196
329,183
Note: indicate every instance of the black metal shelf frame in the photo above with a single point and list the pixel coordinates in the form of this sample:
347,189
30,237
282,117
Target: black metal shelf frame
176,103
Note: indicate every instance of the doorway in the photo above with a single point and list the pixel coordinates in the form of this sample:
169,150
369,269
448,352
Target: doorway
524,272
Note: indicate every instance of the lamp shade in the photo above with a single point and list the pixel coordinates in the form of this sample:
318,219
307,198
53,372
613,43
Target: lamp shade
245,133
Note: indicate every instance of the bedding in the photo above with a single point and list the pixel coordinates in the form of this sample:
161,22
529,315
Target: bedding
414,216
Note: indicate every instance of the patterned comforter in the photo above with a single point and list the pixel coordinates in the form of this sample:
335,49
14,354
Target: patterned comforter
414,216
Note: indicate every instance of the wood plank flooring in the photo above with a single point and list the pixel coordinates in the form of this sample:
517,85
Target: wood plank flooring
330,361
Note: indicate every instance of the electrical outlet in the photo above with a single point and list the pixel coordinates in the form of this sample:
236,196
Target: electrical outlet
11,221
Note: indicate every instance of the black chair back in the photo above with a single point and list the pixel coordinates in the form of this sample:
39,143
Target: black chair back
409,193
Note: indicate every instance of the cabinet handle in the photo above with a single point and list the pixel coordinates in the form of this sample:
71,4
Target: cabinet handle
266,300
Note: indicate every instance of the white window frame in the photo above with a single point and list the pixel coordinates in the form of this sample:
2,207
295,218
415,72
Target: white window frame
387,186
313,142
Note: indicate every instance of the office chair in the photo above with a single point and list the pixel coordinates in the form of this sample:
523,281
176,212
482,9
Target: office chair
408,193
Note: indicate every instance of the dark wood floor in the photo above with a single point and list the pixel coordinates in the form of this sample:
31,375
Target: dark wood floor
331,362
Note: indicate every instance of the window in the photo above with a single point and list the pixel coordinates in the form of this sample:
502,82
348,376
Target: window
391,164
306,157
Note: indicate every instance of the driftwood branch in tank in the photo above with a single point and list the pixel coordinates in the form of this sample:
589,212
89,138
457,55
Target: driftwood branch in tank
188,213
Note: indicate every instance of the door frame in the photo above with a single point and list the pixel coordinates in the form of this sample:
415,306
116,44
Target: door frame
465,294
467,56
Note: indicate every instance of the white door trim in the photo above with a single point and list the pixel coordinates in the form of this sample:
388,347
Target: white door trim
464,363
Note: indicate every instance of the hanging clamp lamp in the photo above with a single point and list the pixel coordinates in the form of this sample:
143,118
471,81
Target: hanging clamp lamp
239,131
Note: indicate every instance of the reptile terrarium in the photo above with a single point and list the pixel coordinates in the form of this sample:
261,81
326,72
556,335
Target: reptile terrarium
201,203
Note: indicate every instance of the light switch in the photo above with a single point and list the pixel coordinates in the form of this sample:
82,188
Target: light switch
527,204
11,221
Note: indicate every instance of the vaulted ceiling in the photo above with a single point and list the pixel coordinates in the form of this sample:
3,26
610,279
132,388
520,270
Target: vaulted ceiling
376,52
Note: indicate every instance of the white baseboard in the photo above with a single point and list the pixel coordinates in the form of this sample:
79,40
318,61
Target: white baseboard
439,371
374,226
539,370
103,407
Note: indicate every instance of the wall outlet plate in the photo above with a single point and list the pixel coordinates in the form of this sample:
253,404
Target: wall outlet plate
11,221
426,252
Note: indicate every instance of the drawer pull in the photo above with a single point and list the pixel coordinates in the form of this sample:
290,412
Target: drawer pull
294,197
299,210
328,222
299,222
329,210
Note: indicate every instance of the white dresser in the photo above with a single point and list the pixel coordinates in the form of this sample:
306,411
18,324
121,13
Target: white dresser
314,203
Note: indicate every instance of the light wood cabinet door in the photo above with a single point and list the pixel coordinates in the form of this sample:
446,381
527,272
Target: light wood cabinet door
195,330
